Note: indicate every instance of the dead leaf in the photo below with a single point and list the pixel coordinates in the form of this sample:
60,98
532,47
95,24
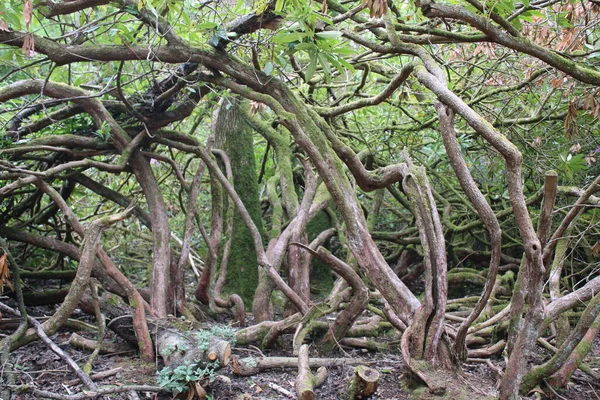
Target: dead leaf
27,12
256,107
590,160
377,7
4,274
28,46
3,26
196,391
571,128
556,83
235,365
324,7
596,248
537,142
576,148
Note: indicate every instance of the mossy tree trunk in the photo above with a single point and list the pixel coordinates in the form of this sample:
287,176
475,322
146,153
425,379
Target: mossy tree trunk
235,137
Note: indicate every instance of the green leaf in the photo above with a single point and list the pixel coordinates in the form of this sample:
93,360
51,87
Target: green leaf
312,66
288,37
269,67
326,67
329,34
279,6
207,25
304,46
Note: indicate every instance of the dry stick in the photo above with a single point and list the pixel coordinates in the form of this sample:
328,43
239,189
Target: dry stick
57,350
105,348
469,186
545,221
568,301
554,271
136,301
491,321
88,394
98,376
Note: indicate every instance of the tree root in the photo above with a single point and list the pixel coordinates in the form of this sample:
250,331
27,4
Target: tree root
420,368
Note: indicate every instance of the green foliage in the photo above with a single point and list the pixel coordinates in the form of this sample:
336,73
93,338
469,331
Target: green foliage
178,378
571,164
224,332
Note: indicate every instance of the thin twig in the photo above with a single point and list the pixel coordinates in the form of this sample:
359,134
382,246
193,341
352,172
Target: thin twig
66,358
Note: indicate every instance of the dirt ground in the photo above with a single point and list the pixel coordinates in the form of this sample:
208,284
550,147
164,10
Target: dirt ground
37,365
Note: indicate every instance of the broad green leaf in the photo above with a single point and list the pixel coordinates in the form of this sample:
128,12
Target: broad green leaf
279,6
207,25
326,67
312,66
329,34
288,37
268,69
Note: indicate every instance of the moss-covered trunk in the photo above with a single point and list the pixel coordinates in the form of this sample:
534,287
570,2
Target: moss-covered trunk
235,137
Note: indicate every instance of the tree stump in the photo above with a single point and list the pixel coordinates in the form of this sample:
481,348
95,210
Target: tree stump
364,383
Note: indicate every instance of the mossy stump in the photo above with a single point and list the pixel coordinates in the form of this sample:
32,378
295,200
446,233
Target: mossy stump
364,383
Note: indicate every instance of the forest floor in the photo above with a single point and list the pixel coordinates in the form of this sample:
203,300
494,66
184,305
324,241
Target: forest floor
39,366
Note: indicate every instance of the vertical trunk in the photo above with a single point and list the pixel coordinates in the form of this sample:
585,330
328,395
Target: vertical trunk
428,324
234,136
162,301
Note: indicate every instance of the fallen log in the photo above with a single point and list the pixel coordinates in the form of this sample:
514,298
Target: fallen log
253,365
105,348
195,347
306,382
